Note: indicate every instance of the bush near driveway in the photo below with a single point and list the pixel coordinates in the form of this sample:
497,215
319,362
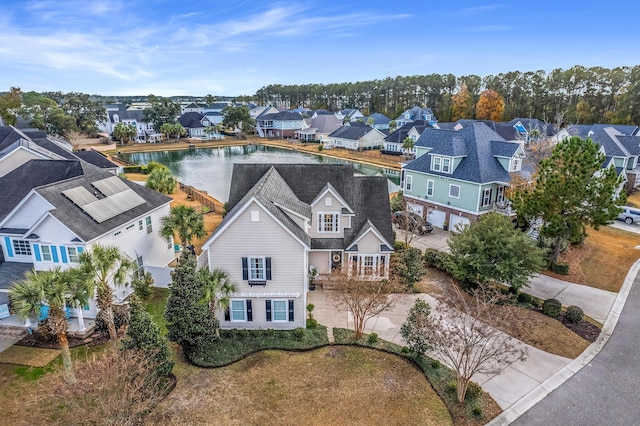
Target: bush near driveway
235,345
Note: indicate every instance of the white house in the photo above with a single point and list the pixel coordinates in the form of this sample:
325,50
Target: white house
53,210
356,136
287,220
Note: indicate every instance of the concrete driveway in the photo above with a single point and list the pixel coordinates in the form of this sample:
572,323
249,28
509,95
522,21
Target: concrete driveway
634,227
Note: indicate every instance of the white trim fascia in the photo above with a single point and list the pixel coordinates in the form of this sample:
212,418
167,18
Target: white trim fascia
265,295
24,148
375,231
21,203
334,192
221,230
42,219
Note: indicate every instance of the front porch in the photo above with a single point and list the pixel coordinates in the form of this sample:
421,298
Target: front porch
14,322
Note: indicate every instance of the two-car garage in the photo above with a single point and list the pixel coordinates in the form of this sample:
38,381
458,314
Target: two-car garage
439,217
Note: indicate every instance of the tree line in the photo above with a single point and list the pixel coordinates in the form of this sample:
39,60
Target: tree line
575,95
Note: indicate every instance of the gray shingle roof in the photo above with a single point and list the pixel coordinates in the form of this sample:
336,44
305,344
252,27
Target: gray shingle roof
190,120
326,123
503,149
282,116
400,134
416,113
32,174
351,132
479,165
368,196
80,222
12,272
95,158
378,118
132,114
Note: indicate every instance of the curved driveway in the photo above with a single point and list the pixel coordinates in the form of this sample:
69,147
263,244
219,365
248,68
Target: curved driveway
607,390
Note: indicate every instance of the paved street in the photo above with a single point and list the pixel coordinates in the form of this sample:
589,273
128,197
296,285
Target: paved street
605,391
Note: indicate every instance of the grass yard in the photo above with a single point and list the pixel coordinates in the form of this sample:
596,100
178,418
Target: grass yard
604,259
155,306
332,385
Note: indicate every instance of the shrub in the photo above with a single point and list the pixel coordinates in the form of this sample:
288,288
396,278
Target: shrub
134,169
120,319
559,268
574,314
451,387
320,147
435,364
298,333
473,391
525,298
399,245
437,259
552,307
312,323
373,338
405,350
477,411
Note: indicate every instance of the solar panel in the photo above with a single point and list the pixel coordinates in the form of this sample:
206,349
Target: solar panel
80,196
111,185
107,208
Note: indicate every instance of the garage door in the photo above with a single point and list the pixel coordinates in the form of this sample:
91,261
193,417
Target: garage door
456,220
437,217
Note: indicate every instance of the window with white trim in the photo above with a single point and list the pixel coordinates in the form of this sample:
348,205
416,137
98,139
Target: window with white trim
21,248
446,165
408,182
72,253
486,197
441,164
237,310
500,195
328,222
516,164
280,310
140,227
148,221
257,269
46,253
370,265
454,191
430,184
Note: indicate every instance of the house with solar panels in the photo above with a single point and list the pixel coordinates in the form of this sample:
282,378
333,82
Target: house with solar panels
287,221
53,210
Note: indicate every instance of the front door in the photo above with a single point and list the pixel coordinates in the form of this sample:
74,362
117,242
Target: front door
336,260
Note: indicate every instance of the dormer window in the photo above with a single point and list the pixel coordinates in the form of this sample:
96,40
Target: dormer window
516,164
441,164
328,222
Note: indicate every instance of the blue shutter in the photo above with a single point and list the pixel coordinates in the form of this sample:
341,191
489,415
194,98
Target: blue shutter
267,263
290,310
36,250
268,302
80,250
249,311
245,269
7,241
54,254
63,254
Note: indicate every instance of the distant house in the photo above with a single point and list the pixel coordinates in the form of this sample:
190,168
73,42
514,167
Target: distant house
349,114
459,175
357,137
64,207
380,121
287,220
585,131
195,124
319,112
416,113
413,130
319,128
284,124
144,129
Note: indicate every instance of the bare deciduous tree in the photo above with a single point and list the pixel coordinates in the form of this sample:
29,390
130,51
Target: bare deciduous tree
363,297
465,335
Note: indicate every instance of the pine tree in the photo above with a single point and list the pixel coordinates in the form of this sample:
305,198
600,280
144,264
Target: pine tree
144,334
189,319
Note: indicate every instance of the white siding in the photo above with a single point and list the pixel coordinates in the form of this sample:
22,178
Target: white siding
244,238
321,260
29,212
369,244
15,159
50,230
335,207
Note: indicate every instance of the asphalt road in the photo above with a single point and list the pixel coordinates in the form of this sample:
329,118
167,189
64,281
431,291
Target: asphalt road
606,391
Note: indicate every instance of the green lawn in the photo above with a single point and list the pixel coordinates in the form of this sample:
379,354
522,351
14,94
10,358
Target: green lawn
155,306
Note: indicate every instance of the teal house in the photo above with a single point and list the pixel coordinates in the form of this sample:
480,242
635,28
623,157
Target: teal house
459,175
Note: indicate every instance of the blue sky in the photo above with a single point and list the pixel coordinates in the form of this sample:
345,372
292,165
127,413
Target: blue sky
226,47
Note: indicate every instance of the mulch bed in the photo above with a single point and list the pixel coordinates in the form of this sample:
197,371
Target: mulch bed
37,340
584,329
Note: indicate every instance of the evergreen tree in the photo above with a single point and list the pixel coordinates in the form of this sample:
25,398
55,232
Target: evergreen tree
189,319
144,334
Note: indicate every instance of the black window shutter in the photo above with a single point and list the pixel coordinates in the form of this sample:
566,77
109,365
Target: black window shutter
490,194
249,311
290,310
245,269
267,262
227,315
268,302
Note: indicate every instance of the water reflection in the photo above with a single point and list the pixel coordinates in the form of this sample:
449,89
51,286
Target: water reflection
210,168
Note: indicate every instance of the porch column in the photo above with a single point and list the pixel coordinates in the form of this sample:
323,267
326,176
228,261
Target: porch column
81,326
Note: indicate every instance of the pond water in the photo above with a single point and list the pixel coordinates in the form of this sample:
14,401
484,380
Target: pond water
210,169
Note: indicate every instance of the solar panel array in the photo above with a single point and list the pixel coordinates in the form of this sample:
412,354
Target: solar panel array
119,198
111,185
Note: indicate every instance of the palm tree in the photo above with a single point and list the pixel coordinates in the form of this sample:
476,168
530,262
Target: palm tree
184,221
218,289
56,288
106,266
